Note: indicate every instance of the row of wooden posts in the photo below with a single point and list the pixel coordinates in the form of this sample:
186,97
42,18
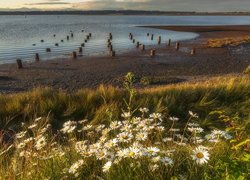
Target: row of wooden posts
109,45
153,51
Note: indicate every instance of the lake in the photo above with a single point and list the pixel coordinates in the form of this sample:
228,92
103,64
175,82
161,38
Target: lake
20,36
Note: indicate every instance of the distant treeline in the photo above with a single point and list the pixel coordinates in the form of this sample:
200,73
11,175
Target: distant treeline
117,12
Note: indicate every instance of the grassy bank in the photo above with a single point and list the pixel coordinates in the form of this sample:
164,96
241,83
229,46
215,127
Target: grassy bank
228,94
123,140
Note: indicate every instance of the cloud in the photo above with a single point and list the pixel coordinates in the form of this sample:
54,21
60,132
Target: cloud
166,5
162,5
49,2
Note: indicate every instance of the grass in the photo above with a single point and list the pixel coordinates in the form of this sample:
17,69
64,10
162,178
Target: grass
221,42
44,153
229,94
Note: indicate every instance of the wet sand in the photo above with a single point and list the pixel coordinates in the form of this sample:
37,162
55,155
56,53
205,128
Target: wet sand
169,65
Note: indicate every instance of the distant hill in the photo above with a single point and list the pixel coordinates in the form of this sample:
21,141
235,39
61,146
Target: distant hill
112,12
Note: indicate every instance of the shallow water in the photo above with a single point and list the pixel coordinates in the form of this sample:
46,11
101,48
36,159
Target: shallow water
19,33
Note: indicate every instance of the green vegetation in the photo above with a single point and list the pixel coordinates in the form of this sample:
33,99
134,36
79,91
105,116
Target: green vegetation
247,71
123,140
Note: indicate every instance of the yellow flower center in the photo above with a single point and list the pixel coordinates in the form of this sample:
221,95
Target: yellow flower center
199,155
131,153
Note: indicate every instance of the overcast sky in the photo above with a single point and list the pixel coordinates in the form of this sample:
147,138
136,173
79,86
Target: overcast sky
164,5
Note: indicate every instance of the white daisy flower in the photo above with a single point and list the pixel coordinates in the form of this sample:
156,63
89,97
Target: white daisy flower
144,110
69,127
21,134
126,115
107,166
194,115
74,169
200,155
174,119
40,143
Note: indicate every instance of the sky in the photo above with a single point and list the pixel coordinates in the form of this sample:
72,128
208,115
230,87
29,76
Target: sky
163,5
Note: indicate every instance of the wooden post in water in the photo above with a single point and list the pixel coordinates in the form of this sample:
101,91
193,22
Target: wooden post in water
133,40
74,55
169,42
110,48
56,44
67,37
131,37
112,53
37,58
143,47
137,44
72,35
42,40
80,50
48,50
147,34
82,44
159,40
177,46
62,40
152,53
193,52
110,36
19,63
109,44
90,34
152,37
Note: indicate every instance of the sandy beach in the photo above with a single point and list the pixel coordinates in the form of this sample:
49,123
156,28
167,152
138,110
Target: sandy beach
169,65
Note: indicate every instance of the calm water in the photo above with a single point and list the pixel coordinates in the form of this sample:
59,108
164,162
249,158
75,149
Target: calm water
19,33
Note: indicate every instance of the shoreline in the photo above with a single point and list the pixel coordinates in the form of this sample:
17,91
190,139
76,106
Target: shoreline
168,66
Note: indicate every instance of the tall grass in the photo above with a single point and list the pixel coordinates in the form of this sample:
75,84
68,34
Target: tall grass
228,94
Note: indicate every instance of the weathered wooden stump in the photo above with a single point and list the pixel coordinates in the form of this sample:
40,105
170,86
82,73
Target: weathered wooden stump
159,40
177,46
137,44
80,49
62,40
133,40
193,52
152,53
169,42
19,63
130,36
147,34
152,37
109,44
56,44
110,48
82,44
74,55
85,40
54,35
37,58
42,40
143,47
72,35
90,34
48,50
112,53
67,37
